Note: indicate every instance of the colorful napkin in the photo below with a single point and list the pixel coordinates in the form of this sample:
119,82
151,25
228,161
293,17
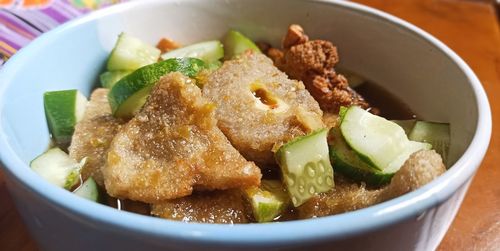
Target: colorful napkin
23,20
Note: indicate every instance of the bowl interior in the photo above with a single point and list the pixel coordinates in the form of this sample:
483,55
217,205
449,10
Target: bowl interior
410,64
398,59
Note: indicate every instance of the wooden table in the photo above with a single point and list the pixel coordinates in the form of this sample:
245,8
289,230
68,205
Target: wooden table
471,29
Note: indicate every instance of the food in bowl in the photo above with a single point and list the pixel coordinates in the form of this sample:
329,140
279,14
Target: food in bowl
232,132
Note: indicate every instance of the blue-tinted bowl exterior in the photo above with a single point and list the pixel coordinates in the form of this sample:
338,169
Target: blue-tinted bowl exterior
55,214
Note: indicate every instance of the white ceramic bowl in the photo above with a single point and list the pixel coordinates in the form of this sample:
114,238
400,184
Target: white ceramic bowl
413,65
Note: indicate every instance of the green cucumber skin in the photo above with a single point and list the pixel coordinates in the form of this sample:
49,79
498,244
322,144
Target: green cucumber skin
435,133
208,51
147,76
236,43
342,112
347,162
267,212
378,141
375,179
295,178
109,78
89,190
407,125
139,54
281,150
54,163
63,130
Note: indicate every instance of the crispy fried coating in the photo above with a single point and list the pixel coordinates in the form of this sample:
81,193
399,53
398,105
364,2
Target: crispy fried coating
93,135
313,61
421,168
259,107
226,207
172,145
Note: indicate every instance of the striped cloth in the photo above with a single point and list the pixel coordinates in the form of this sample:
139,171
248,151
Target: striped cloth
23,20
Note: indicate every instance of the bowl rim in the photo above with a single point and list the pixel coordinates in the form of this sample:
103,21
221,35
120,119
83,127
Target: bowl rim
329,227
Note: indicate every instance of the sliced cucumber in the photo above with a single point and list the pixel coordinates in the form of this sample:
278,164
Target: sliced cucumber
436,134
305,166
63,109
209,51
348,163
109,78
129,94
268,201
56,167
407,125
381,143
236,43
88,190
131,53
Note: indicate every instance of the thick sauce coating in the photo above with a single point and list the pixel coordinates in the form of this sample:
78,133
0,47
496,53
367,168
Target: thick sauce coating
172,146
227,206
93,135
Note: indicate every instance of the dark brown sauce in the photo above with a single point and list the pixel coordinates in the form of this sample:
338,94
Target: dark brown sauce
390,106
127,205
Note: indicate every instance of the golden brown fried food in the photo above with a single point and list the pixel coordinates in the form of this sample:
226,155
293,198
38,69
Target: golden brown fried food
93,135
258,106
313,61
227,207
344,197
172,145
421,168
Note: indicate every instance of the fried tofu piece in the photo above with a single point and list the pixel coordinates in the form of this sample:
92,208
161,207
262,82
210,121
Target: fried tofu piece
93,135
421,168
313,61
226,207
259,107
344,197
172,145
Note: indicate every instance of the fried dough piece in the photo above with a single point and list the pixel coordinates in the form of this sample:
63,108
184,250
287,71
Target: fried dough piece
227,207
93,135
172,145
258,106
313,61
421,168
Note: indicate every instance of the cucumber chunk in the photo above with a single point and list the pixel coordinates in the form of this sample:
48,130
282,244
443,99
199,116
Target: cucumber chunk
209,51
236,43
88,190
379,142
305,166
56,167
407,125
63,109
131,53
348,163
109,78
129,94
436,134
268,201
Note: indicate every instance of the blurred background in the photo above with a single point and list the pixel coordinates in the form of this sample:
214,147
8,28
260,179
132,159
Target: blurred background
469,27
